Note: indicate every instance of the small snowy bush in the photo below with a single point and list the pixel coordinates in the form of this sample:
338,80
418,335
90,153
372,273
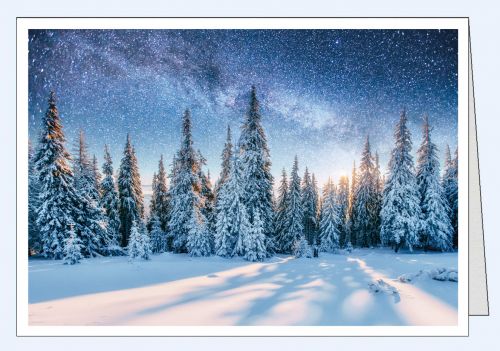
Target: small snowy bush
72,248
302,249
138,245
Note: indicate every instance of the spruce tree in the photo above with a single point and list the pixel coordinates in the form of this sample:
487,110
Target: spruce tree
436,231
58,199
309,208
138,245
450,189
256,164
281,209
97,177
72,248
330,221
109,203
294,227
365,224
207,197
34,241
226,157
343,205
232,219
377,200
254,242
92,225
152,202
157,236
350,238
302,248
400,214
160,200
131,206
186,217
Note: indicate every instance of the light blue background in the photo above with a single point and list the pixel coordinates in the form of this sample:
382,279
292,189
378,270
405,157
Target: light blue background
485,34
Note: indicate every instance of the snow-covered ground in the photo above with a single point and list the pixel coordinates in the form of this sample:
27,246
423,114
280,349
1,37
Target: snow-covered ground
360,288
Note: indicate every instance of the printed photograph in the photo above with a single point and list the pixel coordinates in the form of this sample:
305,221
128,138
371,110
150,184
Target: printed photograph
242,177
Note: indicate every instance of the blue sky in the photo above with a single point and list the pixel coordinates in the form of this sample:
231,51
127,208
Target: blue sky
321,91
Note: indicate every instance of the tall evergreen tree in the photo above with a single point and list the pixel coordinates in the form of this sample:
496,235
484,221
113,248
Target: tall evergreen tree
152,202
280,209
350,238
91,224
254,241
58,199
207,197
186,217
377,203
309,208
365,224
97,176
109,203
330,219
256,163
400,214
34,242
227,154
294,229
343,205
131,206
158,239
450,189
232,218
436,231
161,197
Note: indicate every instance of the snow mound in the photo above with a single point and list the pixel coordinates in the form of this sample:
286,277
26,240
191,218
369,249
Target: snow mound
381,286
441,274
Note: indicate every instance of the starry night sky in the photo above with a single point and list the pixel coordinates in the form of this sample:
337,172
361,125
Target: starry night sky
321,91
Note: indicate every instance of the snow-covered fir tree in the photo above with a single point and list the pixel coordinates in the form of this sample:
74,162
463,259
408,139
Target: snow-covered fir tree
350,238
302,248
57,196
97,176
199,236
365,224
131,205
232,219
186,218
309,208
450,189
254,242
157,236
342,197
138,246
436,231
330,219
226,157
73,247
207,197
256,164
152,202
400,214
377,200
280,209
34,242
109,203
160,201
91,223
294,225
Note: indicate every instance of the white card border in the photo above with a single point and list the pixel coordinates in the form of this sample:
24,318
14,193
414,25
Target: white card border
24,24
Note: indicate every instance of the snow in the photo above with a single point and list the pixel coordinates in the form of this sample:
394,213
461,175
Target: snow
175,289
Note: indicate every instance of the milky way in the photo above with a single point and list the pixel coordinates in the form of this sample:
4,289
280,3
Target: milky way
321,91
